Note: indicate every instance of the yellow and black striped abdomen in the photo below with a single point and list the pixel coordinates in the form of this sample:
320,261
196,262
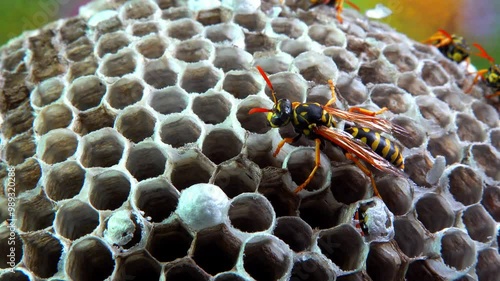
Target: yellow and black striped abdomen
381,145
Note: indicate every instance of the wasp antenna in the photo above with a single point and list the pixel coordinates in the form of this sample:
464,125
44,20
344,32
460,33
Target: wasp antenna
356,7
442,31
259,109
482,53
264,75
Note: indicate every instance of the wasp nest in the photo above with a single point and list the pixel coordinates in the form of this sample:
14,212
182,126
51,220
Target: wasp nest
136,159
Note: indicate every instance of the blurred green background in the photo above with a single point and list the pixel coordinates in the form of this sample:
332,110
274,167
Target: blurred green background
476,20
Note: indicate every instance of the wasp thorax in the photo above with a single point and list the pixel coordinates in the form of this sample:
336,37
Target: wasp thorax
281,114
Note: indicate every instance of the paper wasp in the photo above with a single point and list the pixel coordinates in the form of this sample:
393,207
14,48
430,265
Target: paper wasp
453,47
316,122
491,76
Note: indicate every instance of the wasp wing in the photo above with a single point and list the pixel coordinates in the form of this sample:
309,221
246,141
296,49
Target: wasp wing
358,148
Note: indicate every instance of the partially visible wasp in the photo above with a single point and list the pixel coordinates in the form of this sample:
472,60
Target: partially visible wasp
374,221
316,122
491,76
453,47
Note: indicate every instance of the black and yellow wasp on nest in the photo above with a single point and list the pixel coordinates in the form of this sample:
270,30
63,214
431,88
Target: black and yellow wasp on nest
337,4
453,47
491,75
315,121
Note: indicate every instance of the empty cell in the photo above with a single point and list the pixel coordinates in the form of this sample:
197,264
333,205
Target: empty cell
241,84
10,239
139,266
110,23
491,201
18,120
344,246
52,117
409,236
316,67
487,159
319,211
266,258
117,65
42,252
310,266
417,166
434,212
448,146
194,168
125,92
57,146
12,61
75,219
390,96
19,148
488,264
94,119
377,72
412,84
397,194
253,21
469,129
175,13
288,86
227,276
216,249
194,50
486,113
345,60
294,47
185,269
109,190
152,47
251,213
433,74
349,184
327,35
230,58
259,42
145,160
15,90
47,92
384,262
479,224
415,134
199,78
465,185
64,181
86,92
157,198
421,270
458,250
237,177
351,89
300,162
494,138
214,16
103,148
273,63
136,123
27,175
211,108
453,96
139,10
180,131
168,242
293,28
111,43
14,275
89,259
295,232
400,56
170,100
144,28
220,145
82,68
161,73
224,32
184,29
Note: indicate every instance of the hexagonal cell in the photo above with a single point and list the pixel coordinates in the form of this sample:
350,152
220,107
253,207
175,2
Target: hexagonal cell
434,212
216,249
465,185
86,92
19,148
145,160
203,107
417,166
42,252
486,113
266,258
184,29
377,72
168,242
458,250
117,65
79,49
236,177
122,229
345,60
18,120
144,28
294,47
111,43
27,175
125,92
199,78
175,13
170,100
365,49
138,10
65,180
448,146
152,47
409,236
293,28
110,24
494,138
397,194
310,266
138,266
103,148
480,226
351,89
229,276
251,213
185,269
401,57
94,119
136,123
344,246
45,60
10,239
295,232
109,190
349,184
192,168
194,50
434,110
47,92
327,35
491,201
241,84
412,84
391,97
52,117
179,131
469,129
224,32
319,210
14,275
157,198
259,42
433,74
89,259
82,68
421,270
161,73
488,264
300,162
487,159
385,262
232,58
214,16
220,145
57,146
453,96
75,219
255,123
13,61
415,133
253,22
316,67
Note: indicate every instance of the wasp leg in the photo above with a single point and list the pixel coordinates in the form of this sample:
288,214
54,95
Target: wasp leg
440,38
497,94
282,143
366,111
339,8
366,171
358,223
334,96
479,74
316,166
